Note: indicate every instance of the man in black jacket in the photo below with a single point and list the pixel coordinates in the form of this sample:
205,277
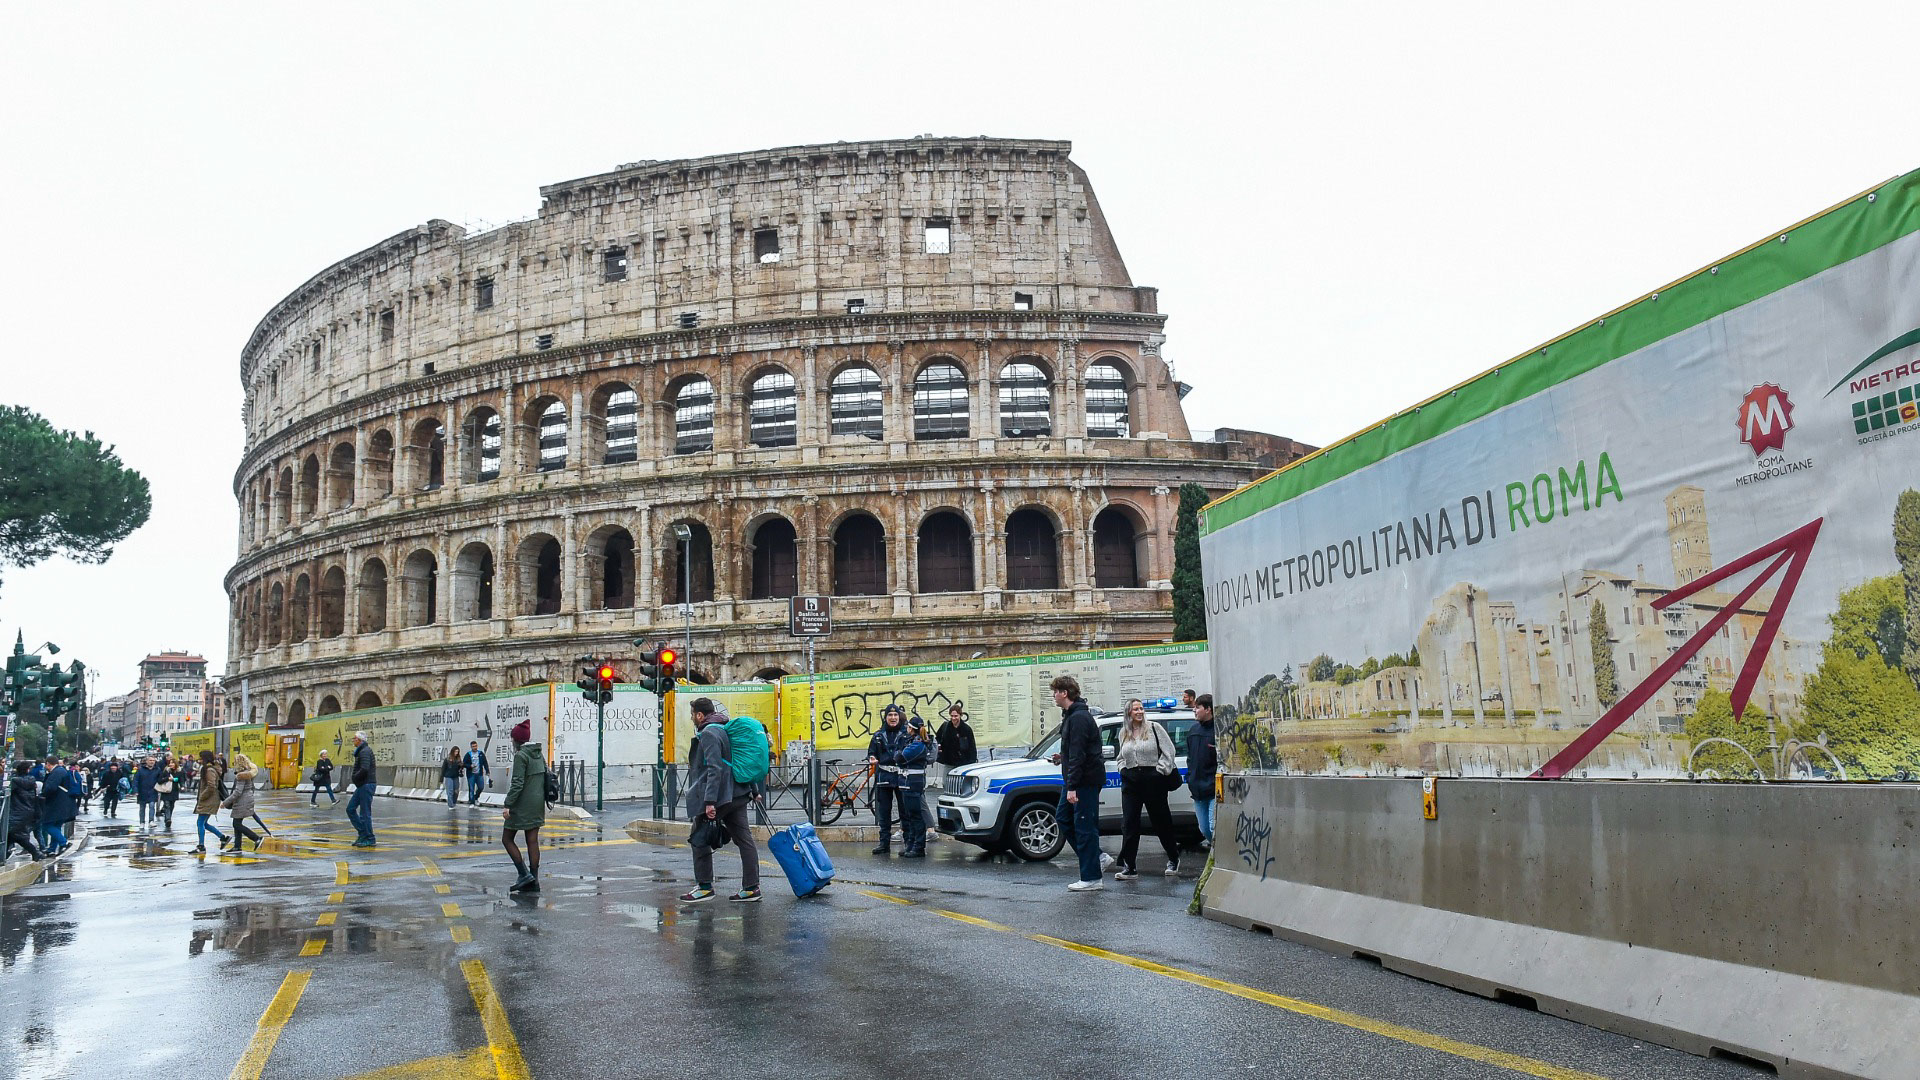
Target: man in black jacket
24,818
1083,772
360,804
1203,763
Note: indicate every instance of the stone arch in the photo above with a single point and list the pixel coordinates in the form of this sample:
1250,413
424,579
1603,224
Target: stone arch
467,689
609,570
771,674
859,556
368,699
1033,549
697,550
340,477
689,402
378,468
856,401
612,425
1026,398
283,499
296,715
276,613
273,714
428,448
1119,548
333,602
482,437
300,609
775,559
373,596
543,445
855,665
473,583
420,588
310,488
773,408
1108,390
942,400
328,706
945,556
417,693
539,578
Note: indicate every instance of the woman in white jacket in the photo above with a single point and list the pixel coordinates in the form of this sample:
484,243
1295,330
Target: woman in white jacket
1146,762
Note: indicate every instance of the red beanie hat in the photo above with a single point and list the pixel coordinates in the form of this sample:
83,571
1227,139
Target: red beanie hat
521,732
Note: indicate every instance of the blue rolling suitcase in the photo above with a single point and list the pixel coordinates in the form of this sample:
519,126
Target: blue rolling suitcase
799,852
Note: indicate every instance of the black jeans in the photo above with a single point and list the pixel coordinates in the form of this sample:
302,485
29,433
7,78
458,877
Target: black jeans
1143,786
734,816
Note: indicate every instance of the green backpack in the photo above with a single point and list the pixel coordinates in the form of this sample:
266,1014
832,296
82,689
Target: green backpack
750,756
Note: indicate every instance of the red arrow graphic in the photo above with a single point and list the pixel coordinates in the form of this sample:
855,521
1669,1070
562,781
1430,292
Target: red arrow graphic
1789,552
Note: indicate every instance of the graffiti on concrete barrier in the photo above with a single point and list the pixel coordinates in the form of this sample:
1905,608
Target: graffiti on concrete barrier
1235,789
1254,839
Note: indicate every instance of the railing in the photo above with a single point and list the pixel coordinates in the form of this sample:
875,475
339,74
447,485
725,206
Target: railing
572,774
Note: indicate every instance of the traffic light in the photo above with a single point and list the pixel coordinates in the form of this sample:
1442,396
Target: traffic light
60,691
23,678
656,670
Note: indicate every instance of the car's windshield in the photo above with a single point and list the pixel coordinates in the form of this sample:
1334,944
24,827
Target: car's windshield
1048,745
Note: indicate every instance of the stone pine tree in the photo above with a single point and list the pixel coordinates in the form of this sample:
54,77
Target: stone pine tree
62,493
1189,588
1606,678
1906,548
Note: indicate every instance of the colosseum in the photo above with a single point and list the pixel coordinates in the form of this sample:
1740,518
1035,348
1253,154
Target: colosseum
911,374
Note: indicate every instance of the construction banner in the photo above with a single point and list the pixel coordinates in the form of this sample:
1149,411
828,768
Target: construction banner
1682,539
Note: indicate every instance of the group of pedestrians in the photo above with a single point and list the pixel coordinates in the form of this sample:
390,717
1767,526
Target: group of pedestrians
45,798
471,766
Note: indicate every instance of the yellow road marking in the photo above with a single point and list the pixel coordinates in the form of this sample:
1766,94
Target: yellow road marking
473,1065
340,874
314,947
443,889
326,919
1386,1029
336,898
462,934
507,1062
267,1032
433,868
884,896
451,911
495,852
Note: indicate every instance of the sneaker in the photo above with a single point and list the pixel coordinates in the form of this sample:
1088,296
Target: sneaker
697,895
1126,873
1173,868
1085,886
201,850
746,896
1206,845
1106,860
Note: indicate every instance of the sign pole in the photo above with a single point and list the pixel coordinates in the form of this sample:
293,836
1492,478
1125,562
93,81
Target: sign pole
600,752
813,738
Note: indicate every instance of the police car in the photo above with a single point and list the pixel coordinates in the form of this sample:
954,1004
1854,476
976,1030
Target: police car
1008,804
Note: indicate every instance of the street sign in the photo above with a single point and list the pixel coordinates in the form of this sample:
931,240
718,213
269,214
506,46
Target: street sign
809,616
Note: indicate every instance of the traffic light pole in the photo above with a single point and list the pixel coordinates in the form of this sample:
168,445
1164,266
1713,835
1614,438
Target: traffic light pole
600,752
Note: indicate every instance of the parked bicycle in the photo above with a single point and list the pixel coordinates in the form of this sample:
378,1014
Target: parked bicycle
851,789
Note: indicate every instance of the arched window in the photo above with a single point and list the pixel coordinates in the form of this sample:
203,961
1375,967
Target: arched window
418,693
297,714
300,609
553,437
310,488
946,553
276,613
771,411
333,602
622,420
328,706
853,403
859,557
379,464
283,500
420,588
473,583
540,575
610,568
693,417
367,700
340,477
273,714
429,448
470,688
1026,401
1116,559
480,439
696,552
1033,551
776,566
1106,390
940,402
373,596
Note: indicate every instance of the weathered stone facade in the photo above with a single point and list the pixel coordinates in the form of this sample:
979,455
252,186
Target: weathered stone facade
913,374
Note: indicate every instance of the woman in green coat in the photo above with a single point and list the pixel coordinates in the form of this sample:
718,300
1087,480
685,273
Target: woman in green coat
526,807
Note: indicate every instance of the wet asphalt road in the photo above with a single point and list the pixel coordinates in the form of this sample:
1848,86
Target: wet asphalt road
313,959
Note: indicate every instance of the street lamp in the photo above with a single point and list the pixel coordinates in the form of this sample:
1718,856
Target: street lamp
685,534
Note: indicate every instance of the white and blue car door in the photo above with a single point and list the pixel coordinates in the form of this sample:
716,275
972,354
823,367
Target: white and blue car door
1110,750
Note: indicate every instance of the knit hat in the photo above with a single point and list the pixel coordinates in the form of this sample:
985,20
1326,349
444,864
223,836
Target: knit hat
521,732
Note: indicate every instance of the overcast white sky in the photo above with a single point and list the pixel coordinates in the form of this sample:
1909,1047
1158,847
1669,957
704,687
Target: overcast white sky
1345,207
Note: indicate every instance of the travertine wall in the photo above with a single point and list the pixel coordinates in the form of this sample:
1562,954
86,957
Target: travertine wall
346,377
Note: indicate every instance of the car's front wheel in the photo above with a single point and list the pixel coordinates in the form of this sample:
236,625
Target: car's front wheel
1034,832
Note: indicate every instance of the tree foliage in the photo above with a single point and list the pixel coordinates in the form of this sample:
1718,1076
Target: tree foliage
1713,718
1189,587
62,494
1321,668
30,741
1860,698
1906,548
1606,678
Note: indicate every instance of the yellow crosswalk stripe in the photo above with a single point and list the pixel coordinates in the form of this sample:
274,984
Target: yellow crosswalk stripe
272,1022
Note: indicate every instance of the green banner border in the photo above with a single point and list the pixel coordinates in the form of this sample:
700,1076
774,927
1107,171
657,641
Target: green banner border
1868,221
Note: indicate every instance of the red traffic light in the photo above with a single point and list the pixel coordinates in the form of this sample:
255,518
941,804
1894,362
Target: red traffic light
606,672
667,657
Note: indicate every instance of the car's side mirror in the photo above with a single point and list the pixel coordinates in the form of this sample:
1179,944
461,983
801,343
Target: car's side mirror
1109,752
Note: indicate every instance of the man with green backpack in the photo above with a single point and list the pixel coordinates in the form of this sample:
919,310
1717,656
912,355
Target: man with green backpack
728,764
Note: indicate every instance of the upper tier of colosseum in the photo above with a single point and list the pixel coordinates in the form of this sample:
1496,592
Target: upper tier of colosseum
835,231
